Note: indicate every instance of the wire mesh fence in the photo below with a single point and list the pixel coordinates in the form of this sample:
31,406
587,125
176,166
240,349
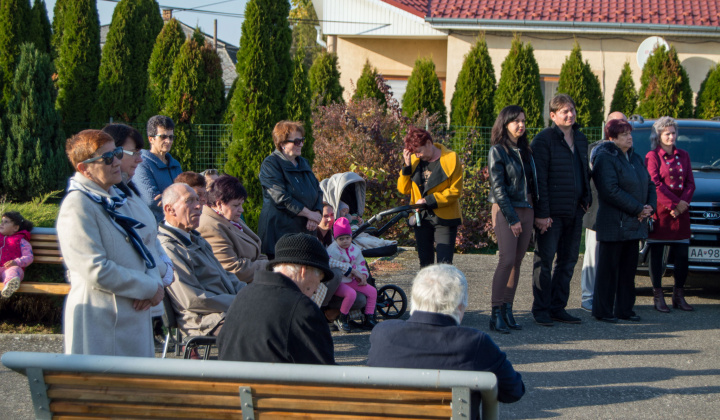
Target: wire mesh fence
210,141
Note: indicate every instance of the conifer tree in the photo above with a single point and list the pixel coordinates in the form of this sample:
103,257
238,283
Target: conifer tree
304,34
165,51
57,27
298,103
424,91
78,64
708,97
520,83
123,75
257,102
197,96
367,86
325,80
665,86
625,96
578,81
40,31
281,43
15,21
473,103
34,161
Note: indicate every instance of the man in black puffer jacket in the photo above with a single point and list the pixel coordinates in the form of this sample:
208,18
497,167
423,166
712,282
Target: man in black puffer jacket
563,179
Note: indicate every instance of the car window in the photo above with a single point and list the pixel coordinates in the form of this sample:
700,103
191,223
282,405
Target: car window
703,145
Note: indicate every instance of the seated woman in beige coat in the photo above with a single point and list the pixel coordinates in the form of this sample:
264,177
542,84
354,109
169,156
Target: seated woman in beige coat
234,244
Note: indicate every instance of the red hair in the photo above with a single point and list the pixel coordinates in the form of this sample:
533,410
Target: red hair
416,137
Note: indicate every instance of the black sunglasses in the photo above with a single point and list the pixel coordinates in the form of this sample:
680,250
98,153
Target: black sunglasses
297,142
165,136
108,157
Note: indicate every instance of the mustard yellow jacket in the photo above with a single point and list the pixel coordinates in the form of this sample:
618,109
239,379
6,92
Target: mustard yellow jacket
443,189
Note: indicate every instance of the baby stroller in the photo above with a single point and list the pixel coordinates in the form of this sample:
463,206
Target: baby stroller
349,188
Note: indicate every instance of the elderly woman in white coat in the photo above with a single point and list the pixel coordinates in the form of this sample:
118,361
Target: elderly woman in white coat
113,276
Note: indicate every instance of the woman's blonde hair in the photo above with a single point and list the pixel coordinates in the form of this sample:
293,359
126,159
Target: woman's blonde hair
283,129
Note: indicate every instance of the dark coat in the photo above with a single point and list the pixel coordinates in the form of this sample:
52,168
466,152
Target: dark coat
272,321
673,178
434,341
556,173
589,218
624,188
508,185
286,190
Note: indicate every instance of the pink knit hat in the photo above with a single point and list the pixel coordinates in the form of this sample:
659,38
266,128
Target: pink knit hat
341,227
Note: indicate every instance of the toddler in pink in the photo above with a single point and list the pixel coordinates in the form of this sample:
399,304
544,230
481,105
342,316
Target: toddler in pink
348,257
15,250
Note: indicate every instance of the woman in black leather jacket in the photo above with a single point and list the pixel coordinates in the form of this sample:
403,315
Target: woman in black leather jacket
512,188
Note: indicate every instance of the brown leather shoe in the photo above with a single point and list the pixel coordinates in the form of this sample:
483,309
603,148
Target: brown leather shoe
678,300
659,300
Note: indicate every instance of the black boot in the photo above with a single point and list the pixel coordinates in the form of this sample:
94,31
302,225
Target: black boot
497,323
508,317
369,322
342,323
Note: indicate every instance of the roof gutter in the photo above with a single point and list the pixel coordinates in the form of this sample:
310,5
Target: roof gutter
572,27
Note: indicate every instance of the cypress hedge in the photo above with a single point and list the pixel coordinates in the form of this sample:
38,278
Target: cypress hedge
665,86
324,79
423,91
298,103
578,81
708,97
625,96
78,63
35,161
15,22
165,51
473,102
124,66
367,85
40,31
520,83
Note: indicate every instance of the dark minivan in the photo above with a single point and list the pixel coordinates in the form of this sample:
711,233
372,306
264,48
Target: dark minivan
701,139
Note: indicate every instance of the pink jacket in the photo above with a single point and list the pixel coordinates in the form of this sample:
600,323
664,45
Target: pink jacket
347,259
16,247
674,181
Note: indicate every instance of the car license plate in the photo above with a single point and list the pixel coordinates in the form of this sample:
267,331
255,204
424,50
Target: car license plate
699,253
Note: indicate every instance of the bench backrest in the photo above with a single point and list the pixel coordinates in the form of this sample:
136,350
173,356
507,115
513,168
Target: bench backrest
45,246
73,385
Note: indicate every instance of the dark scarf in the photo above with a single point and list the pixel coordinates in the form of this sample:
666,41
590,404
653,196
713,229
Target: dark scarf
128,224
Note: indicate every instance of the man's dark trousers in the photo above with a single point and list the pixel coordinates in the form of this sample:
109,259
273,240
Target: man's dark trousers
551,289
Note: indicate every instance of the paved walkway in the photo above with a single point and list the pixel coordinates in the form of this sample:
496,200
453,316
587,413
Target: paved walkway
667,366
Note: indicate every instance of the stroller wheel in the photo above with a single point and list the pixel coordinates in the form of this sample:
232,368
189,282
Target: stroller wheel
391,302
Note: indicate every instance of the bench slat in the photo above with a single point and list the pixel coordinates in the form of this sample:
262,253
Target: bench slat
231,388
143,411
45,288
42,237
278,415
47,259
337,405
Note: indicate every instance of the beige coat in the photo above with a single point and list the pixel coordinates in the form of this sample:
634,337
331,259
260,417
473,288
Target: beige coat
107,275
237,250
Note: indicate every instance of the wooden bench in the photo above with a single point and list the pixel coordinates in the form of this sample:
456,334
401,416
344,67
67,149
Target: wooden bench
93,387
46,250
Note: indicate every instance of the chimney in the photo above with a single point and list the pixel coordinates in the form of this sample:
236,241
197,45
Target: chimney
167,14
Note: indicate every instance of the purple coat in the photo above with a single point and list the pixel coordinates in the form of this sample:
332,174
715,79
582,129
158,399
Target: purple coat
674,181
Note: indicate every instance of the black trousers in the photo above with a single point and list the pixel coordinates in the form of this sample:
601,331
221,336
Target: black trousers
615,279
442,236
551,289
680,262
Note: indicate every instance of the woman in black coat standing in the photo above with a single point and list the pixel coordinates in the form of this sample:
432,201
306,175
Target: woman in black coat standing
627,198
292,198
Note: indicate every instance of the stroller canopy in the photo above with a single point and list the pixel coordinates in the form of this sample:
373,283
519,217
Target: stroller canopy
347,187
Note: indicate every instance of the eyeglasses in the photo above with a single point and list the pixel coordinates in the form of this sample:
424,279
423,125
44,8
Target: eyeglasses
209,172
296,142
108,157
165,136
132,153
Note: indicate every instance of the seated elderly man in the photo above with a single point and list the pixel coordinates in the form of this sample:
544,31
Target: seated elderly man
202,291
433,339
273,319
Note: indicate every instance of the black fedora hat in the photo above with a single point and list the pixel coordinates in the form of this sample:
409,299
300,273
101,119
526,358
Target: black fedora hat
302,249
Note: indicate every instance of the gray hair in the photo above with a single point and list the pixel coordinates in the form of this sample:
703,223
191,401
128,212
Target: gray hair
172,193
658,128
159,121
293,270
439,288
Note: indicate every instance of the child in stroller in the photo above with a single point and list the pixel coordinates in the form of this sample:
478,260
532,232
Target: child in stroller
348,257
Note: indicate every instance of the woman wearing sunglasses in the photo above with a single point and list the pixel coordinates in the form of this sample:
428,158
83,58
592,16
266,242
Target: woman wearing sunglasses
292,198
113,275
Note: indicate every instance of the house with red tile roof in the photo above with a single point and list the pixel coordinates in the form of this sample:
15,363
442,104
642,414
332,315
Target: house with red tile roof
392,34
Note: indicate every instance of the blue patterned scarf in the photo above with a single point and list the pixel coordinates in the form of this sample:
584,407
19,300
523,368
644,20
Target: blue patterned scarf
128,224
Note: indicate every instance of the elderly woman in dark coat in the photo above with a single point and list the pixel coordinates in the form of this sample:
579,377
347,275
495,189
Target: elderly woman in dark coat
292,198
627,198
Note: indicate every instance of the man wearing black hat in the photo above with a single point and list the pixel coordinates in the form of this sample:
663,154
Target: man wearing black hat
273,319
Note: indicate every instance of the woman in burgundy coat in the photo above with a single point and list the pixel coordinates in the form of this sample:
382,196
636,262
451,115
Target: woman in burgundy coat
670,170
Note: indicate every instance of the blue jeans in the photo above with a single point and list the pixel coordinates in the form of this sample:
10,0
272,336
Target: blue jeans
551,289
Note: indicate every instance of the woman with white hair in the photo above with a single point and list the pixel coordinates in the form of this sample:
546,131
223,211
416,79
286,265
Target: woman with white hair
670,170
433,339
